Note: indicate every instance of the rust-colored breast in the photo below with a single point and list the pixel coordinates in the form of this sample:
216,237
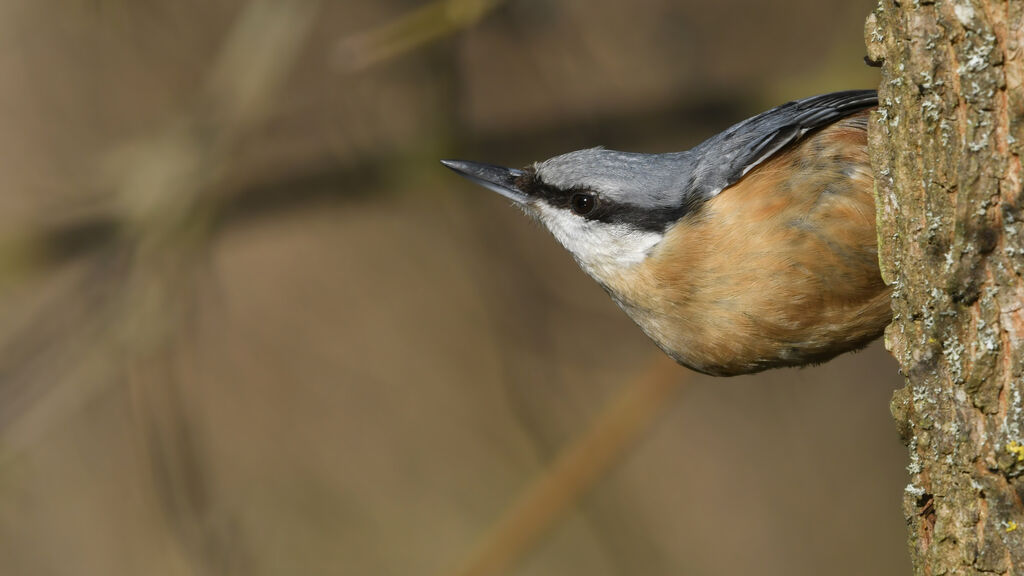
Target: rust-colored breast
779,269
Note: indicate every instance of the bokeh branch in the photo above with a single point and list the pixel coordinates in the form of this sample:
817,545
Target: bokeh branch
576,469
430,22
164,207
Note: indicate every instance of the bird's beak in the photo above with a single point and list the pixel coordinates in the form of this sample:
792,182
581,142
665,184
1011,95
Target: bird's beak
498,178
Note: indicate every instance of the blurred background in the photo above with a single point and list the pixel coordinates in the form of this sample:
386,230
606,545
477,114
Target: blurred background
249,325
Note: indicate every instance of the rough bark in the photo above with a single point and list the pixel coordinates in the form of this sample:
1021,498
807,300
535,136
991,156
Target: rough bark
946,149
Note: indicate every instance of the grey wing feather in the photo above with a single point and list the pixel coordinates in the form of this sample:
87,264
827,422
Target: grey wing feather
722,160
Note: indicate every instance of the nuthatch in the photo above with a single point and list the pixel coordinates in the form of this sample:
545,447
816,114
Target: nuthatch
753,250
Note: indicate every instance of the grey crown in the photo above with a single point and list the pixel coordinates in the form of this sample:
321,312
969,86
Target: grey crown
677,180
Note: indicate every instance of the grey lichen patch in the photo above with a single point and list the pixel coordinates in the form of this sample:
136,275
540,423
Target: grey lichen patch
964,13
914,467
1012,228
931,106
978,52
914,491
1011,425
979,133
953,350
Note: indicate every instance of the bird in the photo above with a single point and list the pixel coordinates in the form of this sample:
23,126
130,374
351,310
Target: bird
755,249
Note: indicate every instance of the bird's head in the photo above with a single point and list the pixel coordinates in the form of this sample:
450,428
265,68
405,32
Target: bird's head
609,209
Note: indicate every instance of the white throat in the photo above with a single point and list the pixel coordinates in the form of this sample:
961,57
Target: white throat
601,249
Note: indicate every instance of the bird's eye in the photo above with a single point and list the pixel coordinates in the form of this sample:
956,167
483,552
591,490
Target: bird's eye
582,203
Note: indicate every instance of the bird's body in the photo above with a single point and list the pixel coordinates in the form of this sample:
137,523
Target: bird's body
801,283
754,250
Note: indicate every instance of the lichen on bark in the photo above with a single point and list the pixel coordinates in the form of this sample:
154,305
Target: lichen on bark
946,146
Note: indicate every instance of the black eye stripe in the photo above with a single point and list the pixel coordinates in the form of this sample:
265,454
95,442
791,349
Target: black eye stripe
531,185
605,209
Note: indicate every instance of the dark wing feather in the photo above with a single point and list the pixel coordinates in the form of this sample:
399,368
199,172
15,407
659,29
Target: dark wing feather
722,160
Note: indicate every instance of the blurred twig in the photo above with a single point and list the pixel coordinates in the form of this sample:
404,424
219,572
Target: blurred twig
244,77
410,31
576,469
165,192
160,222
162,226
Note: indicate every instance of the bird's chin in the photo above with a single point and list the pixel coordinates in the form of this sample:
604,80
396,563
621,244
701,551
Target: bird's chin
530,208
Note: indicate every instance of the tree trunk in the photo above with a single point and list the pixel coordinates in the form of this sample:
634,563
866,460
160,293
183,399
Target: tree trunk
945,145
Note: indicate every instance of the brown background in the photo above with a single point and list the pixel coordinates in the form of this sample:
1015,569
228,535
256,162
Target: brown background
292,343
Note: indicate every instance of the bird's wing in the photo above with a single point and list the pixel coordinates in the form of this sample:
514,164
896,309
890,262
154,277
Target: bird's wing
725,158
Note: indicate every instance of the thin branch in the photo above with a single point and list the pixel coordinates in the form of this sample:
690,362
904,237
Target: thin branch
410,31
576,469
